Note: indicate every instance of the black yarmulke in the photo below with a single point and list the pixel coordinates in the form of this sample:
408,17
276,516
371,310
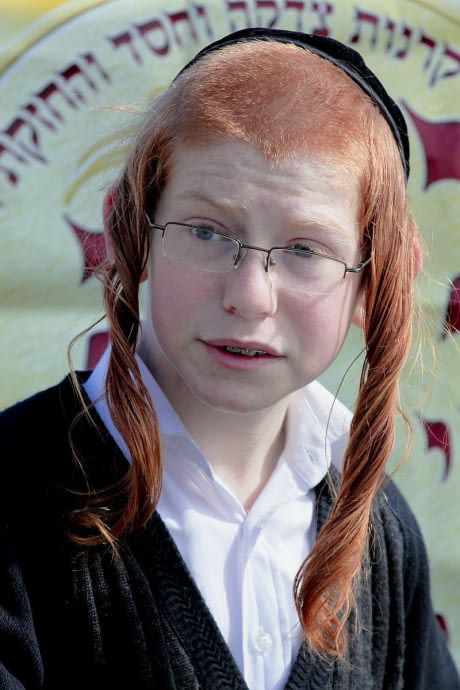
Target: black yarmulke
341,55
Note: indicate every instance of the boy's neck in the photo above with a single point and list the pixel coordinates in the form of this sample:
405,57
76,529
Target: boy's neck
243,449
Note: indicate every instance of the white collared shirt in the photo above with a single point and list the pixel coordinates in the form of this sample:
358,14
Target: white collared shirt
244,562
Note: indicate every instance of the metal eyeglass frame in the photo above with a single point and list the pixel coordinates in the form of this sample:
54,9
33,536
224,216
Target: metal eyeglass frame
240,255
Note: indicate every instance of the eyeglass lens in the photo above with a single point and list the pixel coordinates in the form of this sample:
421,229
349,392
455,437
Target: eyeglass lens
294,268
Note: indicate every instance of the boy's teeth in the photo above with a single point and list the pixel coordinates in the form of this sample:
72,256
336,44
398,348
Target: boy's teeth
244,351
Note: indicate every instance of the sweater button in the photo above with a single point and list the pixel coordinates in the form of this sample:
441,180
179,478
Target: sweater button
263,642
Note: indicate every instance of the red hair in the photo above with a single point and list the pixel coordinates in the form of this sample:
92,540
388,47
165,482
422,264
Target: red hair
285,101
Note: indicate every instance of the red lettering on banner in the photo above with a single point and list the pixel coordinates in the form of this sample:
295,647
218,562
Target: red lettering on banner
45,110
441,70
191,16
202,12
431,44
55,89
362,19
8,151
322,10
21,140
77,71
249,13
273,16
91,60
36,113
126,38
148,30
30,143
390,28
180,17
298,6
242,7
406,35
11,176
157,33
395,32
68,74
400,38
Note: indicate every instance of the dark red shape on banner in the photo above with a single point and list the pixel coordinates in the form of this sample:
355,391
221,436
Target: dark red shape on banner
96,346
442,622
452,317
93,247
438,436
441,144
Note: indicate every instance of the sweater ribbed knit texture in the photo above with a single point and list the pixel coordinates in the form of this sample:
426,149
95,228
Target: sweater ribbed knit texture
78,618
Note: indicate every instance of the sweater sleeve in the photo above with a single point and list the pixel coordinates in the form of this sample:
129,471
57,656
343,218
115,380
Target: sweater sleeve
21,665
427,660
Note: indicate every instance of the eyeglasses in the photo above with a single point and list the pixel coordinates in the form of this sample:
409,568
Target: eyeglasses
297,267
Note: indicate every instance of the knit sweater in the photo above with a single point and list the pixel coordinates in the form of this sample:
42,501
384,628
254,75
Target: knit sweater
74,617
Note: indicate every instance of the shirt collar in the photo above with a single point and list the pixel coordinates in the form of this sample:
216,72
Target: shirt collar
316,432
315,423
168,420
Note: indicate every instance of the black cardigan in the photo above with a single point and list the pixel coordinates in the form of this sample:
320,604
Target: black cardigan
77,618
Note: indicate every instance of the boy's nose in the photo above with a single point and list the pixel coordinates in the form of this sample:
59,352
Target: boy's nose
248,289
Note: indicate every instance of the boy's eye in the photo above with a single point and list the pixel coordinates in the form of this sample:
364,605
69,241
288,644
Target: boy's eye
304,250
205,232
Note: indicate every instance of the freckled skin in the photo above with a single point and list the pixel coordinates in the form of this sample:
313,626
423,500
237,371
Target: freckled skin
267,205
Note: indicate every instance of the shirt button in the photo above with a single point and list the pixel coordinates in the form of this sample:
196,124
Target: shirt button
263,642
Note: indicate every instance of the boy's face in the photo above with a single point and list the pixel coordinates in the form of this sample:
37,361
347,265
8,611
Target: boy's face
232,187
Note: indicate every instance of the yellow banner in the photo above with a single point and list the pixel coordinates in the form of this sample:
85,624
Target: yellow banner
59,151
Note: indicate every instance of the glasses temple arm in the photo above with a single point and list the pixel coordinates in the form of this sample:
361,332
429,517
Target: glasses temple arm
359,267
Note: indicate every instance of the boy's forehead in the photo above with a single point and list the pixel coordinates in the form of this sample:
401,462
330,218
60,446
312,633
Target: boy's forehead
233,177
206,163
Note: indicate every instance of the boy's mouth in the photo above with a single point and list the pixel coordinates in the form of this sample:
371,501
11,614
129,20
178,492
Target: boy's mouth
244,349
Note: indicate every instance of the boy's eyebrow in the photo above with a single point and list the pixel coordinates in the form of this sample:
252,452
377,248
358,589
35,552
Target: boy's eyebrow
218,201
300,222
323,225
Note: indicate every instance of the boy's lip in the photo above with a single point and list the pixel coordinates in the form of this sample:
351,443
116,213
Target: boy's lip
246,344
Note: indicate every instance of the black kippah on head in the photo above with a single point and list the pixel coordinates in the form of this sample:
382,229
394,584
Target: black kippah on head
344,57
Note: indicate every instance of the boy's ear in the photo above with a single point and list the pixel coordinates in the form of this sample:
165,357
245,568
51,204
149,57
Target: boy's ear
107,206
360,308
359,312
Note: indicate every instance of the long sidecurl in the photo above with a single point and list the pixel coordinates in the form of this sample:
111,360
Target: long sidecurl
325,585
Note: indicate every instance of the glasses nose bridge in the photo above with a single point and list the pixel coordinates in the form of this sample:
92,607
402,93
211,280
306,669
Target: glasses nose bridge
242,251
